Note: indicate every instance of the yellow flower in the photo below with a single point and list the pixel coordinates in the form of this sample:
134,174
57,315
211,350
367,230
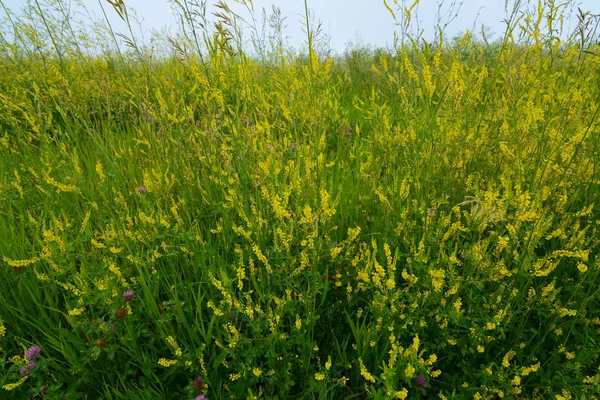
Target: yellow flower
403,394
328,363
2,328
15,385
319,376
365,373
166,363
410,371
100,171
558,331
257,371
77,311
457,304
174,346
507,358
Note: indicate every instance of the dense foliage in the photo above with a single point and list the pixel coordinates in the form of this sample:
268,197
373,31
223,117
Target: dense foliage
417,223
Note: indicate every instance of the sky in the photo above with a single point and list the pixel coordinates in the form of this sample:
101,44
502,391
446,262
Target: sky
344,22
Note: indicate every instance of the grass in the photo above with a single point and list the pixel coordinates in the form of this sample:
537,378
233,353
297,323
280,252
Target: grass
419,222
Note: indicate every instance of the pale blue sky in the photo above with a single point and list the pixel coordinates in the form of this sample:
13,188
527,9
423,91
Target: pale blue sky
344,21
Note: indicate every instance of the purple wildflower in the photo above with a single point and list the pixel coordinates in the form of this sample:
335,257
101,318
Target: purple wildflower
421,382
142,190
201,397
33,352
128,295
197,385
294,145
23,371
270,147
31,366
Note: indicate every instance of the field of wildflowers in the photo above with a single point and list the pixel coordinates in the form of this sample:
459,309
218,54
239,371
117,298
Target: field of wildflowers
209,222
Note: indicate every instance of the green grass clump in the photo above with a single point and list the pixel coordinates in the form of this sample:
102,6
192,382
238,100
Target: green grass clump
411,223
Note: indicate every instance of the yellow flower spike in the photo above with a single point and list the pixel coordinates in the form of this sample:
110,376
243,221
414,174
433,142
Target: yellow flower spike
432,359
173,343
457,305
12,386
508,357
365,373
328,363
77,311
402,394
100,171
409,371
166,363
20,263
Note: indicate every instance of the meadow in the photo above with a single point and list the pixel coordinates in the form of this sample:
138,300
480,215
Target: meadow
210,222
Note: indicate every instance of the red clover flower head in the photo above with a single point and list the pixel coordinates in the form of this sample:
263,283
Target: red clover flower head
121,313
33,352
128,295
197,385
